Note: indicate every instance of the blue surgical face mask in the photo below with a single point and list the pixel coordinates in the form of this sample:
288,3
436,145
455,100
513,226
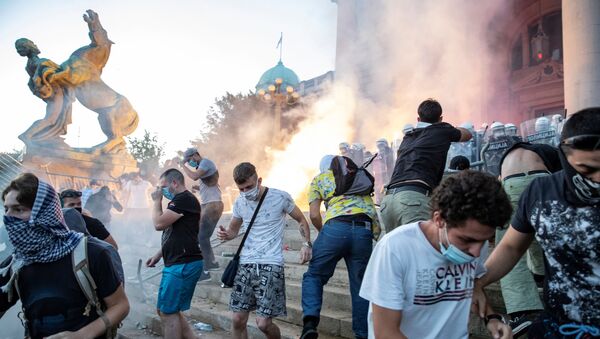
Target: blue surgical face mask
252,194
167,194
452,252
193,163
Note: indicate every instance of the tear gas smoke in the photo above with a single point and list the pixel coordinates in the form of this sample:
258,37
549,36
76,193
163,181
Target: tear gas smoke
397,54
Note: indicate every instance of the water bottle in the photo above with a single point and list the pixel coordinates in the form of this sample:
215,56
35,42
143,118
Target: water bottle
203,327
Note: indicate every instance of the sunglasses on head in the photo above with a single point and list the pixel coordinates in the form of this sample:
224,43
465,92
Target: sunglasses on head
70,194
584,142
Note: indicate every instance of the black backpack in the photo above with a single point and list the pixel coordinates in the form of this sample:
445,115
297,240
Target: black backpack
351,179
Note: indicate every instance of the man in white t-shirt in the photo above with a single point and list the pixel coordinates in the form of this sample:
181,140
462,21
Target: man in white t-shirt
260,281
137,208
420,278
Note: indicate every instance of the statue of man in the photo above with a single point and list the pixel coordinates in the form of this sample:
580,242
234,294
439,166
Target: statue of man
78,77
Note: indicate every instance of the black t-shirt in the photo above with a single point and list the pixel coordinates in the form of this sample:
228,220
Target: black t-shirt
180,240
422,154
52,297
100,207
95,227
570,238
548,154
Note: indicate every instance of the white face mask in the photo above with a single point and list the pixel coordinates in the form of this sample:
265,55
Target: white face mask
252,194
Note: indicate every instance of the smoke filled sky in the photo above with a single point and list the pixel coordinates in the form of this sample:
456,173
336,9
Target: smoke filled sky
170,58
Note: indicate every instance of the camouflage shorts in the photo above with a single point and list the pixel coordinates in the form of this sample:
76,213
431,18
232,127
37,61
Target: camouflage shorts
259,287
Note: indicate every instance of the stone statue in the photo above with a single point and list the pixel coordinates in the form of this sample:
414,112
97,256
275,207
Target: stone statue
77,78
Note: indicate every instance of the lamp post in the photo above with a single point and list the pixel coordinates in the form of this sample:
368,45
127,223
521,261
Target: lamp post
278,99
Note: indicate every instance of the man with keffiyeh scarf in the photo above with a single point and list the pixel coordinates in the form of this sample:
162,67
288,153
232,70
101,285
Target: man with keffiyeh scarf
40,270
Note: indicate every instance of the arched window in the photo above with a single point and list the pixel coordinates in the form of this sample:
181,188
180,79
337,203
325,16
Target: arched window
551,25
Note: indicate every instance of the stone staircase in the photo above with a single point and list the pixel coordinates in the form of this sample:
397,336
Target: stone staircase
210,302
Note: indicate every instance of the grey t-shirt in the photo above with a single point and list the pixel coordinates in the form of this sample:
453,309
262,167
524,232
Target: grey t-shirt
208,193
208,166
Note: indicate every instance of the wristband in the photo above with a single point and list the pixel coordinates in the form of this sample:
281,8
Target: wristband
307,244
496,316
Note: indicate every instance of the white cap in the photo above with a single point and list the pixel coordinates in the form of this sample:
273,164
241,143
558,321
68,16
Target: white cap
542,124
497,125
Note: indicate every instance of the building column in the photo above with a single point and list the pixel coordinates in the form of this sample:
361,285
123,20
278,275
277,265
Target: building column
581,44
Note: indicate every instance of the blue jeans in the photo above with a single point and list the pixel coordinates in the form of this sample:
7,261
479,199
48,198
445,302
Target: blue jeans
337,240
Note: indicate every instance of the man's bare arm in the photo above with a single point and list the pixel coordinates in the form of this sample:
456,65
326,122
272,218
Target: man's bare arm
315,214
502,259
506,255
386,323
465,134
193,174
306,250
232,230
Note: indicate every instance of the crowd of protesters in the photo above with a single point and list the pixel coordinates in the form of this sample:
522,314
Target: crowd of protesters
529,217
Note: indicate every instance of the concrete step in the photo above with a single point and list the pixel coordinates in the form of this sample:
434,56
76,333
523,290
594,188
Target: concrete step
333,321
219,316
289,256
293,270
334,297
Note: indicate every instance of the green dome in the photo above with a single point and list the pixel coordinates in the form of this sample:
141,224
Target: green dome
288,76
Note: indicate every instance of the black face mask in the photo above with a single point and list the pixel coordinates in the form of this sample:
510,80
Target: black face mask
580,190
78,209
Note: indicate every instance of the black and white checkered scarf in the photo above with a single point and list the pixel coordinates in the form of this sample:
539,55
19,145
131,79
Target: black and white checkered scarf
44,238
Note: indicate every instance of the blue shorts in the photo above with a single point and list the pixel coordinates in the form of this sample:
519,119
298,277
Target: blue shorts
177,286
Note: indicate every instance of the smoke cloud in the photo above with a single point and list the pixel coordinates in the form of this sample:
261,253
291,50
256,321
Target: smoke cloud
391,56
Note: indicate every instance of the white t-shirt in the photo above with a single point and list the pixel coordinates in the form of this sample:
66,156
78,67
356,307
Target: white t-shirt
138,194
265,241
407,273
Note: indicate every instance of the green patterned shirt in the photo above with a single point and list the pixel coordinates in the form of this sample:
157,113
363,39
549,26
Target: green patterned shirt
322,188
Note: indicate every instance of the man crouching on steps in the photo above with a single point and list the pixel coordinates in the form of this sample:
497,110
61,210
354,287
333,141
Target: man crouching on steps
260,281
183,258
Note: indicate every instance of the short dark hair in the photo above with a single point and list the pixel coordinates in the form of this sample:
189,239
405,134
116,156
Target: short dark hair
430,111
472,195
586,121
173,174
460,162
70,193
27,185
243,172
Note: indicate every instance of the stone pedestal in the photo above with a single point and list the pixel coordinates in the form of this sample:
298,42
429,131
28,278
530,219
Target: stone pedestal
581,41
72,167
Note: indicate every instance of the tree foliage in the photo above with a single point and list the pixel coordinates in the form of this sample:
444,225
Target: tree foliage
146,150
238,128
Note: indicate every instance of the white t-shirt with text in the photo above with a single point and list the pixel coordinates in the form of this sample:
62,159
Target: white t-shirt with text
264,244
407,273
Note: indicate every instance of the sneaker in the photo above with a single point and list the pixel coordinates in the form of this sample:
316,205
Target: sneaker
309,333
204,276
520,325
212,266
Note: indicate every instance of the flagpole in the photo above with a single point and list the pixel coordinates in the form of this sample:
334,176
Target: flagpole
281,47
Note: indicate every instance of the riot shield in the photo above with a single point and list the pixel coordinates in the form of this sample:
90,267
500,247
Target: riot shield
492,153
541,130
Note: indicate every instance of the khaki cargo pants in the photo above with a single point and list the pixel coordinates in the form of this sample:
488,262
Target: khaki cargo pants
518,286
403,208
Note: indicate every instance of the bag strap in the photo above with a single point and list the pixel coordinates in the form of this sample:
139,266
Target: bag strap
84,276
21,315
237,254
368,162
